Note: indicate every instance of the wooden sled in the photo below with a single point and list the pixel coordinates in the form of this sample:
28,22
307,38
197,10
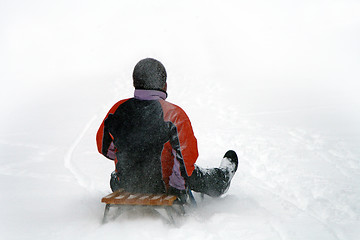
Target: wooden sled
124,200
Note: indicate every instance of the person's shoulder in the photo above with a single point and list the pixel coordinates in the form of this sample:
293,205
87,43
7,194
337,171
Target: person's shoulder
122,101
172,108
116,105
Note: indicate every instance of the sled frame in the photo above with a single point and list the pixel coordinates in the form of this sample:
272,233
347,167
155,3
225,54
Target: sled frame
124,201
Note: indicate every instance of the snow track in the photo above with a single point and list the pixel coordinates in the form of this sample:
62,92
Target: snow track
82,179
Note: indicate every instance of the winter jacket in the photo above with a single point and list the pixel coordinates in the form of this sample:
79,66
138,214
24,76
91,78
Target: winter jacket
151,142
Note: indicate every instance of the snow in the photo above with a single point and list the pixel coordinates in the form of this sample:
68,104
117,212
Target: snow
276,81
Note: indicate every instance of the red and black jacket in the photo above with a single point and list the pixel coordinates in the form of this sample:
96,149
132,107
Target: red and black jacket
151,141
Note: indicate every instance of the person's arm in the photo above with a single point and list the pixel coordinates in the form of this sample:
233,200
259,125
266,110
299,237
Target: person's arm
105,143
184,149
183,139
104,140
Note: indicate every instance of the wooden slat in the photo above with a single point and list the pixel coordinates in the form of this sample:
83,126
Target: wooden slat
109,198
132,198
125,198
121,197
169,200
157,199
144,199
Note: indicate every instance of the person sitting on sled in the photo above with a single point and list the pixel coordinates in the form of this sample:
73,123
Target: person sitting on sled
152,142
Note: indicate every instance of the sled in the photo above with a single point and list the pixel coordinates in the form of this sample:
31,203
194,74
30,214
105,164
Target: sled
123,201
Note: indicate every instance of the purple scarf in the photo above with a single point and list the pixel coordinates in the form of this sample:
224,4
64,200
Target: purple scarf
142,94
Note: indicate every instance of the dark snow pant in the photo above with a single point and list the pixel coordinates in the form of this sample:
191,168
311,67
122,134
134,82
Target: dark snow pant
211,181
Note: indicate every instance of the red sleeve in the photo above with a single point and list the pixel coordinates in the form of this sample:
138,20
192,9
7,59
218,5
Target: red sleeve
101,136
188,142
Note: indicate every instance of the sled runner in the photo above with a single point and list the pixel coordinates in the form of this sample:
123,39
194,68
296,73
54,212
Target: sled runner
124,200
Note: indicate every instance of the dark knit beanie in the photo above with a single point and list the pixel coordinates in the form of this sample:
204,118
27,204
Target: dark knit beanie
149,74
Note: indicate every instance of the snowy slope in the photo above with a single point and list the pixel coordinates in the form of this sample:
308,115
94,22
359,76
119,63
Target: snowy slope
277,81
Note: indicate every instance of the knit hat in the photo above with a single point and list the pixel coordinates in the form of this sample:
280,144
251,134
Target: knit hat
149,74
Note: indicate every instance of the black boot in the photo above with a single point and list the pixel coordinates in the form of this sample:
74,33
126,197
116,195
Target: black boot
230,162
229,165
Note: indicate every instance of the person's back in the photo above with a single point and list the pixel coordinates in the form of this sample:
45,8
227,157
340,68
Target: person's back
152,142
140,133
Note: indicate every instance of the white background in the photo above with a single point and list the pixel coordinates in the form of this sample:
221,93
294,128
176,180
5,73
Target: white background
277,81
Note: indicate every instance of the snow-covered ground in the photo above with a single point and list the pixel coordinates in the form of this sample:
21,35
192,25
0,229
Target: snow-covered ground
277,81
